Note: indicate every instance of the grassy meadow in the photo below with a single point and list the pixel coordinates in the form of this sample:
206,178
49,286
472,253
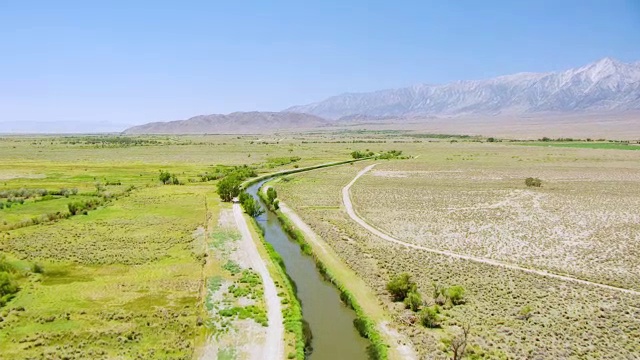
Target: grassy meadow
126,275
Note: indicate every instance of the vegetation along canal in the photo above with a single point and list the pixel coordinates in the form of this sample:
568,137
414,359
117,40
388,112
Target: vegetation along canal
330,321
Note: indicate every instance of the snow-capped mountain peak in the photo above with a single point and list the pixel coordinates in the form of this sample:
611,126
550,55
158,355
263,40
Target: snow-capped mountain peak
605,85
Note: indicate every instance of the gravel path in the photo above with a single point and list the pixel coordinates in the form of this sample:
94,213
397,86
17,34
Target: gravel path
273,348
346,199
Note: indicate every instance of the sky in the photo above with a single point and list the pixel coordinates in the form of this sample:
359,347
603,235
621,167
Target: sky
117,63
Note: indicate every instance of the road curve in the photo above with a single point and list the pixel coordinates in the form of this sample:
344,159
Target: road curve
346,199
273,348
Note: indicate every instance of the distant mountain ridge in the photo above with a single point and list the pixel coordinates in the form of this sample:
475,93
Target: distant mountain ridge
254,122
607,85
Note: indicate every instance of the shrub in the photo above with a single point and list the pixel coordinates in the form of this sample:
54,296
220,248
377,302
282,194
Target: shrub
429,317
533,182
413,301
5,266
8,288
400,286
37,268
455,294
74,207
525,313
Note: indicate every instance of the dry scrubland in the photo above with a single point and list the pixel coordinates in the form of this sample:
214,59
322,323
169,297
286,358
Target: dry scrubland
584,221
471,198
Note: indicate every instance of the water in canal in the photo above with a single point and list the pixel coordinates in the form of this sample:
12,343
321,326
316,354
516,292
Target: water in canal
331,322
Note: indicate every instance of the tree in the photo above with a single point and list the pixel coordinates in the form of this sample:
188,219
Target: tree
271,195
413,301
250,205
458,344
228,188
400,286
164,176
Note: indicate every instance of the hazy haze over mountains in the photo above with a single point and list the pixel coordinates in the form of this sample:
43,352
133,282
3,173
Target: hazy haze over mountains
603,86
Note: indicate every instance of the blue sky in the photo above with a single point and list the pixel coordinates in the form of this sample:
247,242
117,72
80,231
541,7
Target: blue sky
133,62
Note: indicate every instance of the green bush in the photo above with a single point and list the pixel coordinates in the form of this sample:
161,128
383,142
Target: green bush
413,301
400,286
455,294
361,154
164,176
429,317
8,287
37,268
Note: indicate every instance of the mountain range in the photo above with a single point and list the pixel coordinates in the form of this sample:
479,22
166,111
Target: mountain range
605,93
234,123
607,85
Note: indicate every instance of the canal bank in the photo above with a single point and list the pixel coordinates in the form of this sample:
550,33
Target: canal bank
330,321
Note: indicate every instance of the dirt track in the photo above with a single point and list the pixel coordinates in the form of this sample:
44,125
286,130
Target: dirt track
273,348
346,199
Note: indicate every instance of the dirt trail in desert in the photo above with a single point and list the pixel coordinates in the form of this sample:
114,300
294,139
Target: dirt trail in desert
346,199
273,348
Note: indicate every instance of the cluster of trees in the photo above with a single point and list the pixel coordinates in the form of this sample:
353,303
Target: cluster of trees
403,288
362,154
533,182
391,154
250,205
384,155
229,186
168,178
220,171
546,139
112,141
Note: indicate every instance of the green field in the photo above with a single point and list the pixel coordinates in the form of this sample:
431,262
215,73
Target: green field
585,145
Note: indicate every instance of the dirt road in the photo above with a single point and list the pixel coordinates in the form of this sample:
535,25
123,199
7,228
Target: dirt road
273,348
346,199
